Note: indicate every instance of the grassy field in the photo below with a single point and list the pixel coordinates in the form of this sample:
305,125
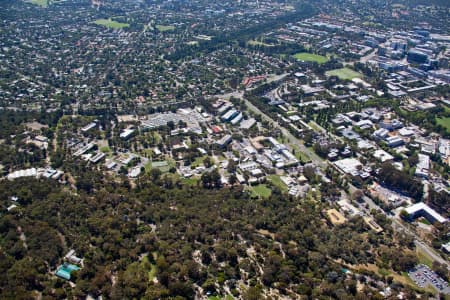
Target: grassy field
199,161
344,73
424,258
105,149
276,181
41,3
303,157
109,23
163,28
445,122
192,181
145,263
261,190
314,126
305,56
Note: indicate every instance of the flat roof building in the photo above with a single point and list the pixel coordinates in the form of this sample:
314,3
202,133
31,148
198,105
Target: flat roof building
394,141
65,270
97,157
224,140
348,165
423,166
422,210
247,124
126,134
228,116
32,172
88,127
382,155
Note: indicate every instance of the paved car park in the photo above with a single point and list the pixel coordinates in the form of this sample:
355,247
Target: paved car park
422,275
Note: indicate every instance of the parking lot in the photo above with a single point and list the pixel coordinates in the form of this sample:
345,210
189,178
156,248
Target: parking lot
423,276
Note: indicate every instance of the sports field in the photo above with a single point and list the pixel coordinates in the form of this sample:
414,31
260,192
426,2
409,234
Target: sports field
163,28
111,23
344,73
305,56
41,3
261,191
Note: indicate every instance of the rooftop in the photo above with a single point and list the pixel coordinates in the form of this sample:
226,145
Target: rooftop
415,208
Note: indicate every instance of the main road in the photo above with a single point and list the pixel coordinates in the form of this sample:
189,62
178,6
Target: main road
430,252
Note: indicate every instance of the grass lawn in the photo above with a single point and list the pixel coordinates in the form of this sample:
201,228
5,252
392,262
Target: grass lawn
41,3
170,161
190,181
152,272
199,161
300,155
163,28
424,258
148,167
164,166
261,190
109,23
384,272
314,126
157,137
445,122
276,180
424,221
153,268
105,149
344,73
305,56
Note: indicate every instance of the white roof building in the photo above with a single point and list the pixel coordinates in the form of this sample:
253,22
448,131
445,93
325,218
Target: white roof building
126,133
406,132
247,124
32,172
348,165
134,172
421,209
11,207
423,166
382,155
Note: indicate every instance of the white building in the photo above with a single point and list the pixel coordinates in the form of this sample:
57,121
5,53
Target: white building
422,210
423,166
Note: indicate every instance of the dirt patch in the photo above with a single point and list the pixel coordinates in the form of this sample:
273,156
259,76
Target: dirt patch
267,233
35,125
